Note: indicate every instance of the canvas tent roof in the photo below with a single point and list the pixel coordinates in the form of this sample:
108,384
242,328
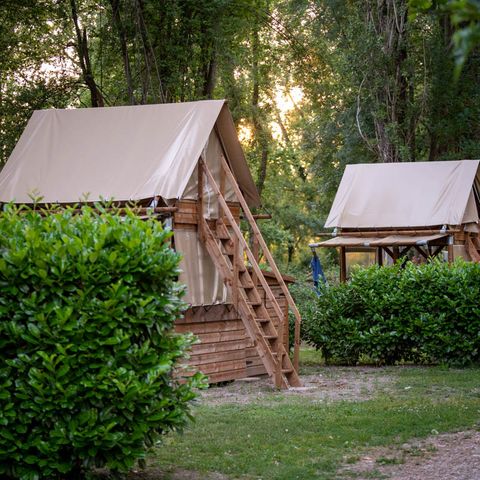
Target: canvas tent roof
120,153
406,195
385,241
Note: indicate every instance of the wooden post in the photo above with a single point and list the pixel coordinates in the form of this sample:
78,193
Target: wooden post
222,191
278,373
450,249
256,254
396,253
236,260
201,232
343,265
380,256
286,325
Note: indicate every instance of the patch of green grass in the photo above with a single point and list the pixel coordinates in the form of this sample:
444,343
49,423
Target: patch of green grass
303,439
389,461
310,360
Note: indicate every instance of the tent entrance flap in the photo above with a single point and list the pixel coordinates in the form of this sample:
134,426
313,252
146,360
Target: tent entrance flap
390,240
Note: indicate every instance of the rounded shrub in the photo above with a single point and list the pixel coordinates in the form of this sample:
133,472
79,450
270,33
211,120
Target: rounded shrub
420,313
87,350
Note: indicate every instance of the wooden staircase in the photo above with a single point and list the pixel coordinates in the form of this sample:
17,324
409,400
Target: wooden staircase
227,247
472,245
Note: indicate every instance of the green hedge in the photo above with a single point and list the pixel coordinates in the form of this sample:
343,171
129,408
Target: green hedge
426,313
87,305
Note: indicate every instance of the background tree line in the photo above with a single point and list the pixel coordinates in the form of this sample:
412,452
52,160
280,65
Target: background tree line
312,84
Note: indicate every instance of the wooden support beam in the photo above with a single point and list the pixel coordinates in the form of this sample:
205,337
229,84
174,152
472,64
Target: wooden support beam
437,250
384,233
343,264
117,210
201,229
389,252
421,252
259,216
279,352
380,256
256,254
451,256
236,260
405,251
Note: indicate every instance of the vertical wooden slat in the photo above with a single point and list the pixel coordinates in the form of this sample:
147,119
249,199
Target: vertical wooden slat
256,254
201,232
280,350
236,261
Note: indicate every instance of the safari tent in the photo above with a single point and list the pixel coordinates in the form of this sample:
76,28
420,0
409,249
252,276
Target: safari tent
184,163
393,208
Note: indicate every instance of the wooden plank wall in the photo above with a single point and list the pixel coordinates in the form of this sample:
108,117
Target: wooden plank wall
221,351
225,351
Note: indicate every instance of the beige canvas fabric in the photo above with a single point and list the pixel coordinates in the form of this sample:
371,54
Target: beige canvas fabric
121,153
212,154
405,195
390,240
204,284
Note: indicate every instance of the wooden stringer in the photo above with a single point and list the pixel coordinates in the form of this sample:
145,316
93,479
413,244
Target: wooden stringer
227,247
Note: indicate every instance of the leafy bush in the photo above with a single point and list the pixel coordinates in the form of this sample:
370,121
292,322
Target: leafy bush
303,295
87,305
425,313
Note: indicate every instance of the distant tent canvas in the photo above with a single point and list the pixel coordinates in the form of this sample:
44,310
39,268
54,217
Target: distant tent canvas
415,194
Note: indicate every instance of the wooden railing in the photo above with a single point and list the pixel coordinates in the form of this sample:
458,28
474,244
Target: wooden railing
268,256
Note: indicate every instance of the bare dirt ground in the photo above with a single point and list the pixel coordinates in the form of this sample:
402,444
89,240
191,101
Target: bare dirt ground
449,456
332,384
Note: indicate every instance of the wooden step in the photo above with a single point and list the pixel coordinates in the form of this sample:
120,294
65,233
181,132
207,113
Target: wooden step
271,337
222,232
263,320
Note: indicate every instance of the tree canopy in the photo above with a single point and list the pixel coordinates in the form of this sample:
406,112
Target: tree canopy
312,84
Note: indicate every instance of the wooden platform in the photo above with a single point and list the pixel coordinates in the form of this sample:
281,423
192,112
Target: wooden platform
225,351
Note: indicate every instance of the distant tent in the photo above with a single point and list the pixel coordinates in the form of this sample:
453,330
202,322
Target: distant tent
186,161
420,205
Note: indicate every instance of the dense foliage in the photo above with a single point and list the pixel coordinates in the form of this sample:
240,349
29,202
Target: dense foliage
87,305
426,313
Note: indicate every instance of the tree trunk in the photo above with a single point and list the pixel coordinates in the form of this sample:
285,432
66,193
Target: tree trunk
117,20
96,97
261,135
389,19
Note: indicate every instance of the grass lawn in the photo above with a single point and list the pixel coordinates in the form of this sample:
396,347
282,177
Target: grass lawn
290,437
